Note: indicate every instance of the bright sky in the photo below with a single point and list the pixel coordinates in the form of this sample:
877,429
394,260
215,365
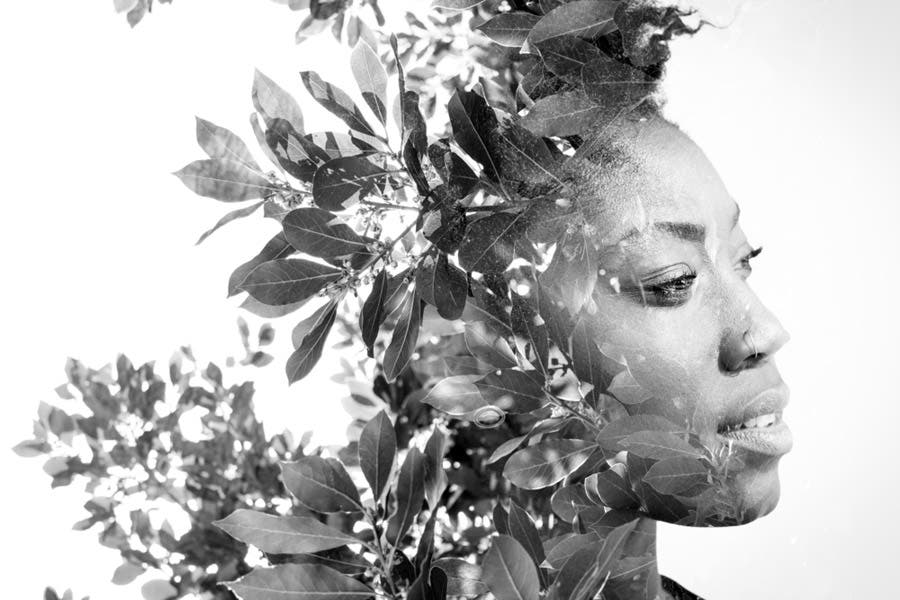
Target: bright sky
796,103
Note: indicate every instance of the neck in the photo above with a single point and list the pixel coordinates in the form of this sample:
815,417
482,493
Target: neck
639,579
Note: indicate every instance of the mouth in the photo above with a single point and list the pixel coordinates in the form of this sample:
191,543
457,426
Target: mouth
757,425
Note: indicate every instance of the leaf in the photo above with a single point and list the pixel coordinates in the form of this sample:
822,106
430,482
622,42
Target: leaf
404,337
463,578
573,271
513,391
589,363
483,343
320,233
558,555
273,102
371,78
285,281
506,448
568,501
126,573
457,396
627,390
299,582
341,182
567,56
156,589
658,445
471,119
304,327
372,314
489,245
509,29
301,362
523,530
378,453
586,19
612,434
456,4
547,463
320,484
410,493
283,535
219,142
611,489
31,448
224,180
239,213
450,288
435,477
509,572
336,101
522,157
560,115
615,83
676,475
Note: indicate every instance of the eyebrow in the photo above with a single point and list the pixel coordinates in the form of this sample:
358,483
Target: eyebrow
691,232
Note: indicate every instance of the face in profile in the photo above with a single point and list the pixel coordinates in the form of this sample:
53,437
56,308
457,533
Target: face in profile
673,302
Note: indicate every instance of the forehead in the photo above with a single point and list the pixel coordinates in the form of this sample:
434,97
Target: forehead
651,173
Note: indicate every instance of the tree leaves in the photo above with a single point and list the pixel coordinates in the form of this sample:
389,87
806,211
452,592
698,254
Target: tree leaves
509,29
283,535
463,578
272,102
225,180
523,530
583,18
563,114
320,233
611,489
321,484
371,78
372,314
490,243
410,493
336,101
309,349
676,475
285,281
404,337
456,4
509,571
457,396
341,182
472,119
658,445
219,142
547,463
239,213
612,434
443,285
377,453
512,390
299,582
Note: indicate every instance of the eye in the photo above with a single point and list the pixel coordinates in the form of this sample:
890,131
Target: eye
668,288
744,263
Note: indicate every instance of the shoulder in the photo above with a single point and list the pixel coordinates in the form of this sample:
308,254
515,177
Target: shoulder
676,592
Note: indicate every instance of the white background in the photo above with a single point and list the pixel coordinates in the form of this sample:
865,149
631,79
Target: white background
796,102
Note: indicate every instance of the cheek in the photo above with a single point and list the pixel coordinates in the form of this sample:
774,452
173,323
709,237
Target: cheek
672,354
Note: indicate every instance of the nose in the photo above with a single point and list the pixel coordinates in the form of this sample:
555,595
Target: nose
754,336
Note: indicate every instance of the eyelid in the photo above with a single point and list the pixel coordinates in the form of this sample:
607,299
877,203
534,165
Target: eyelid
667,274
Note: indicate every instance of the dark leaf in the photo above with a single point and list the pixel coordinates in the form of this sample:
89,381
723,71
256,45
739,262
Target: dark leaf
509,572
341,182
239,213
463,578
565,549
299,582
371,78
377,453
513,391
225,180
320,233
509,29
435,476
321,484
372,314
563,114
490,347
285,281
522,157
567,56
414,132
273,102
676,475
614,83
568,501
456,396
309,351
586,19
472,119
219,142
611,489
547,463
283,535
410,493
303,328
506,448
490,243
403,340
589,363
658,445
336,101
522,528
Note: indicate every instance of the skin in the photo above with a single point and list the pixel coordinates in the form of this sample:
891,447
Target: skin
684,343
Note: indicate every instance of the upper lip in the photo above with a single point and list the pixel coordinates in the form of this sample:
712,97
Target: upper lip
772,400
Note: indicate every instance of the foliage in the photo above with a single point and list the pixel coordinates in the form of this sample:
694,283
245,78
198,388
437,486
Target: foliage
469,260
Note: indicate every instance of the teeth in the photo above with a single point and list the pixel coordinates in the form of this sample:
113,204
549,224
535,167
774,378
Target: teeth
755,423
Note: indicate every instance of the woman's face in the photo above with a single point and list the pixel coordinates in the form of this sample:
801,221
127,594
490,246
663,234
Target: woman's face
673,302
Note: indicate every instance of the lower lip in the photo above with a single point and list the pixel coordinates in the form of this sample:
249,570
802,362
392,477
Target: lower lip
775,440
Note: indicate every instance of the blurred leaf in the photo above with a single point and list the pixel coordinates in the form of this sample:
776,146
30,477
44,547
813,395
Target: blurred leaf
285,281
321,484
463,578
456,4
547,463
225,180
309,350
378,453
509,29
342,182
299,582
403,340
612,434
658,445
283,535
336,101
320,233
219,142
410,493
676,475
31,448
273,102
158,589
371,78
509,572
126,573
483,343
239,213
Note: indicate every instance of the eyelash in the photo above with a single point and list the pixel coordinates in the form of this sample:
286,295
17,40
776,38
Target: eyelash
669,292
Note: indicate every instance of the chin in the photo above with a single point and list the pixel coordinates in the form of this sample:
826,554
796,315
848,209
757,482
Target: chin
756,491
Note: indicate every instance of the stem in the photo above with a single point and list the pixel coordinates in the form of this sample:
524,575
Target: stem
387,205
387,248
557,402
386,565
